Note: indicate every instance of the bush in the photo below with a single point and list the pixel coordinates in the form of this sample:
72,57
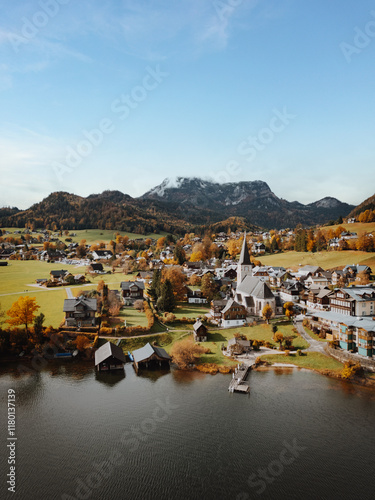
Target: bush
299,352
351,370
287,352
256,345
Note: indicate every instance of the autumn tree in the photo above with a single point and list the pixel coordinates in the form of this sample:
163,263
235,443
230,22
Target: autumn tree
22,312
138,305
186,353
209,287
195,280
177,279
160,243
289,309
38,328
2,315
267,313
82,342
234,247
279,338
179,254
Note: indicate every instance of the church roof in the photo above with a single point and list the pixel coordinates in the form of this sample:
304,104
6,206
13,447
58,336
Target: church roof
244,256
252,286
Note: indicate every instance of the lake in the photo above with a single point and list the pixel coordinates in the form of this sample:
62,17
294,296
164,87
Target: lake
182,435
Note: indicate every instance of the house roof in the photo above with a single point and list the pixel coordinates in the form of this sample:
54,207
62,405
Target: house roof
97,267
198,324
70,305
230,303
107,350
125,285
147,351
61,272
234,341
244,256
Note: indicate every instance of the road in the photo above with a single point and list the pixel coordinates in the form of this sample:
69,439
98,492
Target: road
315,345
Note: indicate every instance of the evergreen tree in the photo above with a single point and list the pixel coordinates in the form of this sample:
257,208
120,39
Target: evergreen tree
154,290
179,255
166,301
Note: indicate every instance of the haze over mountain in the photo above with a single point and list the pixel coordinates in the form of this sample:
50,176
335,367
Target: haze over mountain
177,205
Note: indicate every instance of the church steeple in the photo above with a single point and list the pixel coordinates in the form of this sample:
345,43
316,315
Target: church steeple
244,264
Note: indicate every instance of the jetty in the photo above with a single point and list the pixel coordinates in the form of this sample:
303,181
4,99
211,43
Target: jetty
238,383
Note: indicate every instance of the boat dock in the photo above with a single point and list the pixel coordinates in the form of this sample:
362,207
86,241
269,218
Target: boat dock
238,383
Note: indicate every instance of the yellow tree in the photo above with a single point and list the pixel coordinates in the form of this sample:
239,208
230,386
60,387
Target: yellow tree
22,312
267,313
177,279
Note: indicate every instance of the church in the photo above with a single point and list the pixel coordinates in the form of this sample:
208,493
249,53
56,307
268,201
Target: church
252,292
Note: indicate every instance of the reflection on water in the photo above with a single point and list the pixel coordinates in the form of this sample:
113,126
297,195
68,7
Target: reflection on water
182,435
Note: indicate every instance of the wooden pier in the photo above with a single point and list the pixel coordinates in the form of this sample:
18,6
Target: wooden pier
238,383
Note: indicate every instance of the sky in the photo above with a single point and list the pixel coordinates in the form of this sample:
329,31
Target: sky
124,93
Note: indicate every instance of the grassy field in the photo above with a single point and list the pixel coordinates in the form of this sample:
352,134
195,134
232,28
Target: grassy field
311,360
96,235
314,336
326,260
186,310
357,227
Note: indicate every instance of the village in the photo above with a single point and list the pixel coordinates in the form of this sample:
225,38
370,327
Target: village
196,287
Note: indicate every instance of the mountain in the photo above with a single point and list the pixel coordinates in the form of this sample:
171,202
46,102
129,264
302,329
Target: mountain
368,204
177,205
253,200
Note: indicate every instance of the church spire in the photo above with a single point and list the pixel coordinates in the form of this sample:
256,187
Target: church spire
244,256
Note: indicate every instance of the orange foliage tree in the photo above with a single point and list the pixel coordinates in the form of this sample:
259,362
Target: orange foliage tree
22,312
186,352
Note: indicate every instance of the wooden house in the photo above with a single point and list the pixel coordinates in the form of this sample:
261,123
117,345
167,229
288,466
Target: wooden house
109,357
200,332
150,356
80,311
132,291
238,346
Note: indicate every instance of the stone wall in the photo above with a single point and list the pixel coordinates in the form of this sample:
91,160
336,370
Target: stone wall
339,354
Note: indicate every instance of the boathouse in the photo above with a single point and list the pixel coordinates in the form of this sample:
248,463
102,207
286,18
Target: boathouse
150,356
109,357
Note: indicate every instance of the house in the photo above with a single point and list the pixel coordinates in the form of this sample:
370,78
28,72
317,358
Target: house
195,296
59,276
102,254
318,298
145,276
312,281
258,248
200,332
309,270
291,290
216,307
339,277
80,311
96,268
354,301
132,291
233,314
150,356
109,357
238,346
355,269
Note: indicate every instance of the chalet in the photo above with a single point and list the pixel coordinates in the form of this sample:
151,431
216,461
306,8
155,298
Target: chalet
309,271
278,277
353,270
200,332
261,271
238,346
102,254
317,281
150,356
51,255
195,296
339,277
258,248
318,298
109,357
145,276
132,291
59,276
216,307
80,311
96,268
233,314
291,290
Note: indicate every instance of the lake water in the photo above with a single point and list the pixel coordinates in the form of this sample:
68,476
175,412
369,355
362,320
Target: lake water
178,435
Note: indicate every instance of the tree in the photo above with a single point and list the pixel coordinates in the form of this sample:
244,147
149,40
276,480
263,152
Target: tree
279,338
154,290
289,309
179,255
22,312
177,279
166,301
186,352
82,342
2,315
267,313
38,328
208,287
138,305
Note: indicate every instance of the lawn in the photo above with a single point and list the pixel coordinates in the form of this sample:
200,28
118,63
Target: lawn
186,310
95,235
50,301
311,360
326,260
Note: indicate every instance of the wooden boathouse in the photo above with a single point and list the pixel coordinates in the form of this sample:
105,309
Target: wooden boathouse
109,357
150,356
